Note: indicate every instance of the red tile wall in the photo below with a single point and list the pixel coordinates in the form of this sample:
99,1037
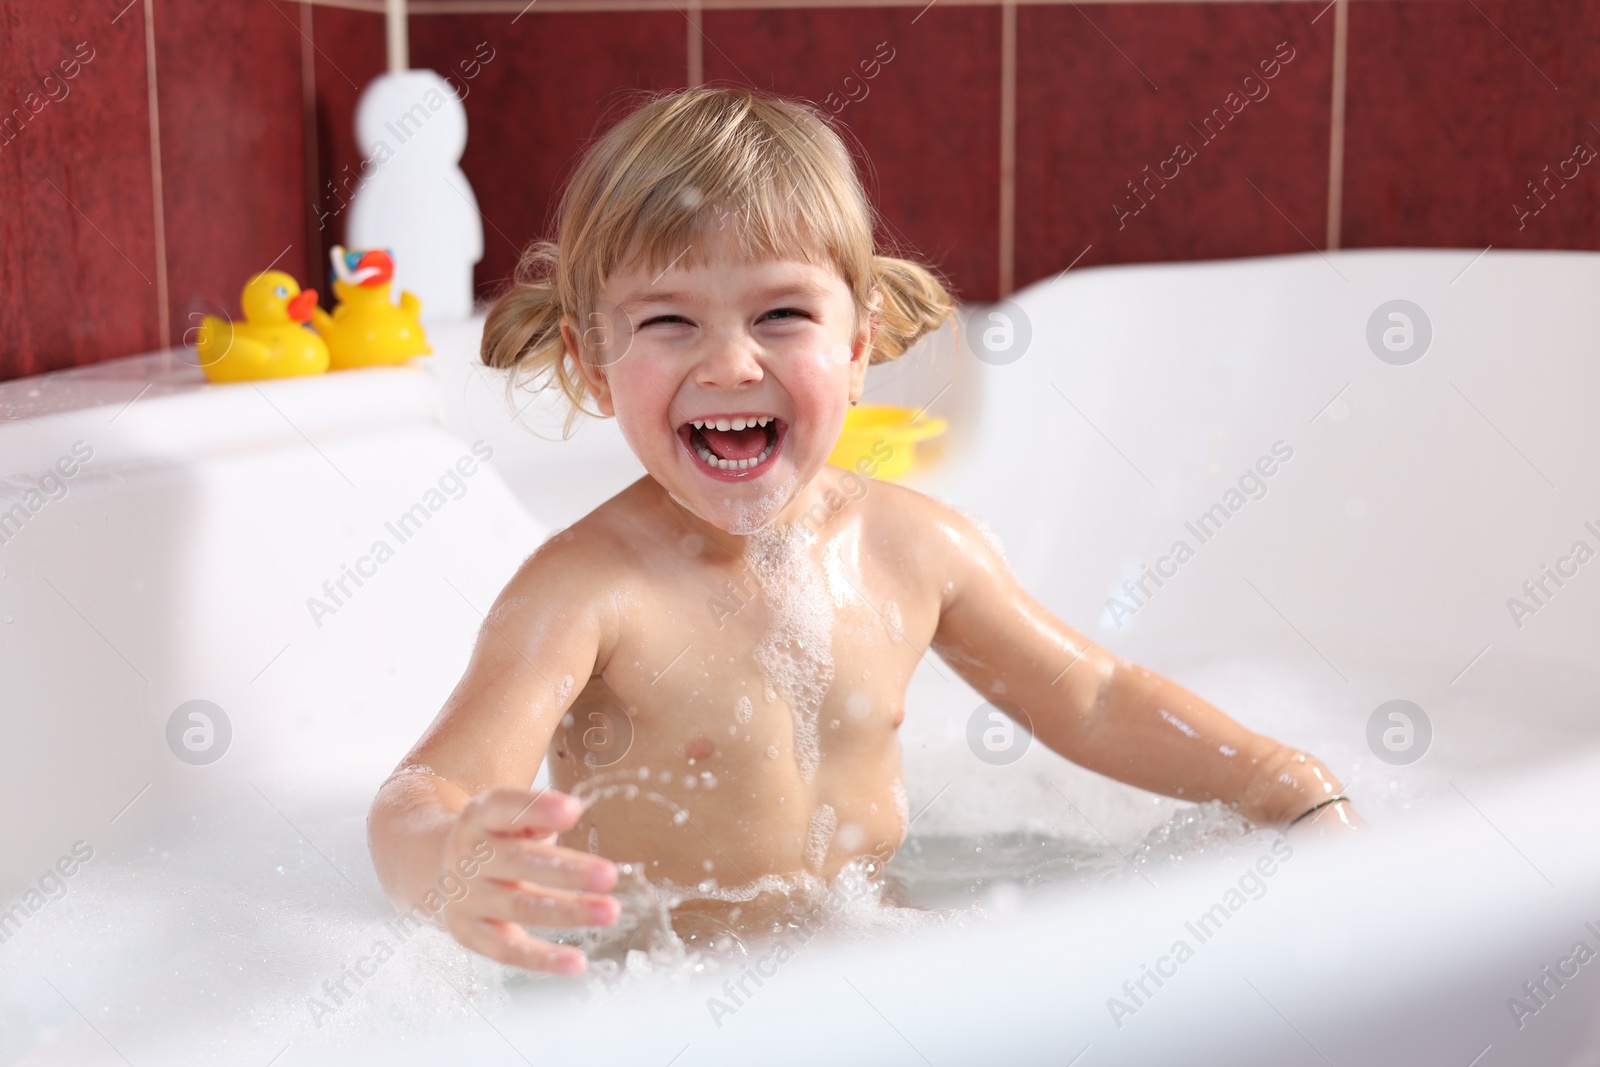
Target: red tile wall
1105,92
1452,108
544,91
77,233
1455,107
232,150
928,119
348,53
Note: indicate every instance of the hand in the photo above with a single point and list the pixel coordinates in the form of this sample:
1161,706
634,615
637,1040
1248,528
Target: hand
503,841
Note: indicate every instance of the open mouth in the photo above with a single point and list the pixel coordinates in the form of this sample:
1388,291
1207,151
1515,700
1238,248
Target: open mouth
733,446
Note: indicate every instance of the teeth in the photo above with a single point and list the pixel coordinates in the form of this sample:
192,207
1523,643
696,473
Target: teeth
731,424
712,460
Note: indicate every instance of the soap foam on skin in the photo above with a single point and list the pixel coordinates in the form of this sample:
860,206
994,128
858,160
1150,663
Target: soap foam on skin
838,569
751,518
988,535
1182,727
902,807
892,620
796,655
819,835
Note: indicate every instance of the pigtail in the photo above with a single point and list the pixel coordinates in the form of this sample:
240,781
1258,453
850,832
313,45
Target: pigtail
913,302
523,332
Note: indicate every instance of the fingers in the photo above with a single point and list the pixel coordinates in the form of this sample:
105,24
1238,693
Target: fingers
523,812
548,865
537,906
510,944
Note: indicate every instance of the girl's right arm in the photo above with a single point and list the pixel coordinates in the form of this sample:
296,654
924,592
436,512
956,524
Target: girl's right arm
455,831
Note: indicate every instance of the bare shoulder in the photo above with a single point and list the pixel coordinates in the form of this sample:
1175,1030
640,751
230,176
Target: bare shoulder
577,577
943,540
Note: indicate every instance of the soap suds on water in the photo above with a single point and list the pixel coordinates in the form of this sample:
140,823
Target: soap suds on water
796,655
819,835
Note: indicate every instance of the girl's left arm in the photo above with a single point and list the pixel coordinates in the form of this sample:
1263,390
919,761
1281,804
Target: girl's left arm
1100,710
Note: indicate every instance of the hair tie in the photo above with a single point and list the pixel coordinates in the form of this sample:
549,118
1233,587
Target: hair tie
1313,809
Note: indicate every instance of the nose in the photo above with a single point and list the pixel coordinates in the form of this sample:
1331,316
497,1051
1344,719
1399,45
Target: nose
729,362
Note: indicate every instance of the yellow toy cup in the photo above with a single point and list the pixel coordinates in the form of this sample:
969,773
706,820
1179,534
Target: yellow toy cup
881,439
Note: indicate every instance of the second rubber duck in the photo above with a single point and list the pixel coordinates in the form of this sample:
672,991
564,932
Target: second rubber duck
367,329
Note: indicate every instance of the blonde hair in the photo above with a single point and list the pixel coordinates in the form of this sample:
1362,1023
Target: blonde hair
670,168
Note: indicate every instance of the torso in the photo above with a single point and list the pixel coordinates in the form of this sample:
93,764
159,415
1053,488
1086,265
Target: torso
713,655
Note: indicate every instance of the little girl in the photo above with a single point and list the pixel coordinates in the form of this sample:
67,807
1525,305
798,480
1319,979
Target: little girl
717,657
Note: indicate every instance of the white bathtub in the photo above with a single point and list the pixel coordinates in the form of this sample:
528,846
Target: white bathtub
177,562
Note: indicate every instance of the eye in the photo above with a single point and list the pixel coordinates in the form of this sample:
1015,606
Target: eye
282,291
662,318
788,312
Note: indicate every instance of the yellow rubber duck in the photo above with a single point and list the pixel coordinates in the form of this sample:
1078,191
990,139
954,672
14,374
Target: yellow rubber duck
271,342
366,329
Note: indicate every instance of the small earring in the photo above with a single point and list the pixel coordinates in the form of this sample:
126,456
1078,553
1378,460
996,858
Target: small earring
853,403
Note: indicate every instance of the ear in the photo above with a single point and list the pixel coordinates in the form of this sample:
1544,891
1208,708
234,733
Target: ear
593,375
861,348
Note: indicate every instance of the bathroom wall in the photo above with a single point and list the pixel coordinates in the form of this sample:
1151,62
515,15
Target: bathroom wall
155,153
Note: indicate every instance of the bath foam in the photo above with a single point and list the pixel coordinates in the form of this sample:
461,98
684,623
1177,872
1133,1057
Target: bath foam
743,711
244,934
642,948
750,517
819,835
796,655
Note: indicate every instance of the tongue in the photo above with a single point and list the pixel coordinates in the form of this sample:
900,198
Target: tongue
736,444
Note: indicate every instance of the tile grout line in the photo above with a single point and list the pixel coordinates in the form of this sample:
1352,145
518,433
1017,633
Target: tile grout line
696,30
308,127
1341,48
1008,145
157,195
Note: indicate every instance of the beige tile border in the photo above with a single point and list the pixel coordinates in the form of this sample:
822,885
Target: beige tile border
158,203
513,7
1341,47
1008,147
311,163
697,46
